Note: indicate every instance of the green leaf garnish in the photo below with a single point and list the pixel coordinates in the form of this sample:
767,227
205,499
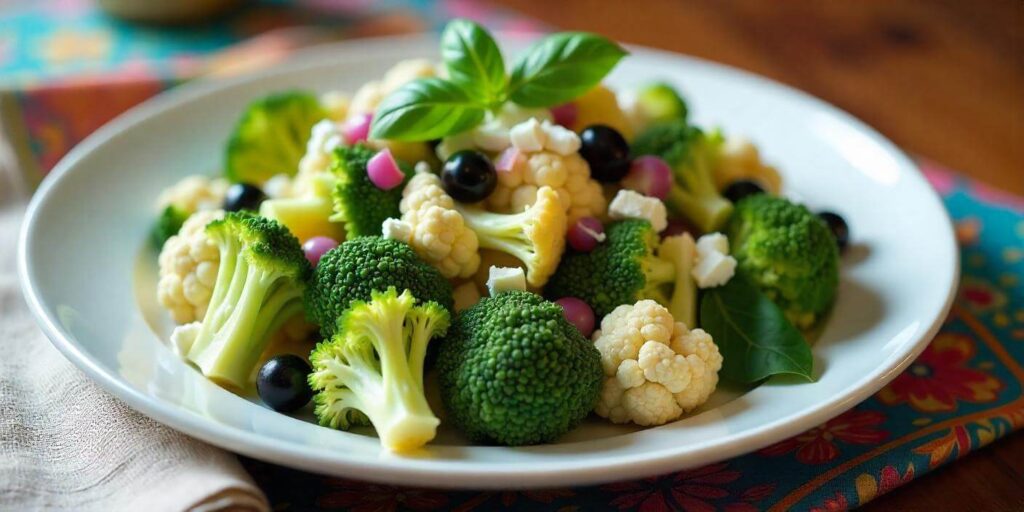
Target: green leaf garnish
555,70
754,336
424,109
474,61
561,67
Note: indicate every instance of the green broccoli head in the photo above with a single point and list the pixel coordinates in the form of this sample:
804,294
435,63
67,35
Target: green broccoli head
372,369
358,203
360,266
789,253
692,154
622,270
168,224
513,371
260,281
659,102
270,138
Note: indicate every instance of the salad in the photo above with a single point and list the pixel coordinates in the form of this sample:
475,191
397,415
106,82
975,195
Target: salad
507,249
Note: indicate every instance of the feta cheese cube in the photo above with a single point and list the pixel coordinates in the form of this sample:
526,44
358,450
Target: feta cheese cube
396,229
528,136
633,205
560,139
503,279
491,137
713,242
713,269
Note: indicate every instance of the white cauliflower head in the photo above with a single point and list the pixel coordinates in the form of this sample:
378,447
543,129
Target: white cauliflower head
195,193
188,269
439,233
655,368
568,175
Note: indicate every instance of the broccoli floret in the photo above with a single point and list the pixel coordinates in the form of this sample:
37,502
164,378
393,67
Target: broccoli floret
622,270
270,138
260,282
513,371
358,203
692,154
372,369
360,266
789,253
168,224
659,102
536,236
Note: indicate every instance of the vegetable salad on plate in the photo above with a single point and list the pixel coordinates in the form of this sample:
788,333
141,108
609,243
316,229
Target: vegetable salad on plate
515,237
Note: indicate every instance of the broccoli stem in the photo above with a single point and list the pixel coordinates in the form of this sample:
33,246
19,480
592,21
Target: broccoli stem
389,395
240,318
708,212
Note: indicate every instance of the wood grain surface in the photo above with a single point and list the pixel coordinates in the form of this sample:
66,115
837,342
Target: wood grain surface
944,79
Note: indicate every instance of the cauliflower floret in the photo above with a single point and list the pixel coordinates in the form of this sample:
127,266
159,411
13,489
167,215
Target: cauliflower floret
188,269
370,94
195,193
336,104
655,368
568,175
740,159
704,359
439,233
324,137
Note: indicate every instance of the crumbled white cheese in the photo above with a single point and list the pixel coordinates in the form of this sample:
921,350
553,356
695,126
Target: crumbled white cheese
713,242
560,139
714,266
528,136
629,204
491,136
503,279
396,229
465,295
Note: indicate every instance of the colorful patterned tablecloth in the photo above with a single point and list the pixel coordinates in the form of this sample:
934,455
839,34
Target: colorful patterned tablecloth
66,69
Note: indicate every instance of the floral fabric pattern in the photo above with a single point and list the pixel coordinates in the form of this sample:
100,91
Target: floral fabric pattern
964,391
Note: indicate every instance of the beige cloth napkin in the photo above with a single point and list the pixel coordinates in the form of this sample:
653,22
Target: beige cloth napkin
65,444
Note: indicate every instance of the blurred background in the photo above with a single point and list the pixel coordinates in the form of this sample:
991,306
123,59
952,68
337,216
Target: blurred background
944,79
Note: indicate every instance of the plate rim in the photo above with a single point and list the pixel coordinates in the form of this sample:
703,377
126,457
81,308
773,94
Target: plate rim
413,471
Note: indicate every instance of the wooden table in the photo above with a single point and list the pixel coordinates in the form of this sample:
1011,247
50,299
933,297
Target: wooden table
943,79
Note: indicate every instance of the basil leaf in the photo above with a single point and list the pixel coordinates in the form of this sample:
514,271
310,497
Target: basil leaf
473,60
754,336
561,67
425,109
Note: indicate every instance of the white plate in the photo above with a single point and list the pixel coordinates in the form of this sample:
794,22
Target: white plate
81,270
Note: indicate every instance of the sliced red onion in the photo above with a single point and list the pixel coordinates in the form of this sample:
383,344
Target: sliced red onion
507,159
316,247
578,313
565,114
650,176
357,128
383,170
585,234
